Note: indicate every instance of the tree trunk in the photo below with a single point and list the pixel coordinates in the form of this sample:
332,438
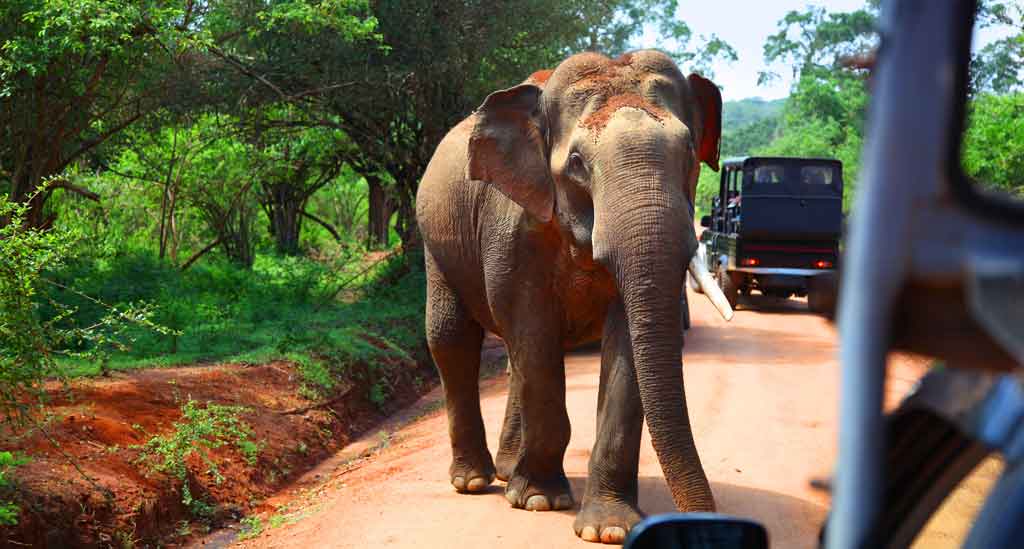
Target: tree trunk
283,204
405,224
379,215
234,229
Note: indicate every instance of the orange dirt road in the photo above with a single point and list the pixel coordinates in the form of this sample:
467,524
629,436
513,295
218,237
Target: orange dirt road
762,393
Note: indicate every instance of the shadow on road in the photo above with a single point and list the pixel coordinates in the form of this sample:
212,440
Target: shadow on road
775,305
726,343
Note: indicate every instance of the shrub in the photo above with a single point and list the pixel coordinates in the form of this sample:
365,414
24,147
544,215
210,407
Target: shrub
200,430
8,510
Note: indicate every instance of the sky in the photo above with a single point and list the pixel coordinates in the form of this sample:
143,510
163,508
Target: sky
745,25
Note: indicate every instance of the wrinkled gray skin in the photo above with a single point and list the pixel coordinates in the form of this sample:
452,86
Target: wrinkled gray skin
552,217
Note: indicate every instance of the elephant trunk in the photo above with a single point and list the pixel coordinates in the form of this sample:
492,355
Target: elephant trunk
647,257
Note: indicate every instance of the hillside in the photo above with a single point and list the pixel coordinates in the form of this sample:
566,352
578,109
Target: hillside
749,124
737,114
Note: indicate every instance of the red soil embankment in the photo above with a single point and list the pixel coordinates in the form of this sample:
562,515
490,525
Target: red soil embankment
91,489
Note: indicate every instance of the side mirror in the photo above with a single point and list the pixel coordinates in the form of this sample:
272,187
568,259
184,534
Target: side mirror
697,531
705,221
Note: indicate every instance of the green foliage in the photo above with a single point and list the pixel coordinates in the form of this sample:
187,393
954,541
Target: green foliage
996,68
993,149
825,113
41,33
8,510
749,124
219,311
827,108
251,527
745,140
31,339
816,38
200,430
26,358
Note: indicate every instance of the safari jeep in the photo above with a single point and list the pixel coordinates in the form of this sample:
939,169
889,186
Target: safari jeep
774,227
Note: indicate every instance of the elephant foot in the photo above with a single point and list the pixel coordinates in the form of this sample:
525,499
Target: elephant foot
505,462
601,521
539,495
472,475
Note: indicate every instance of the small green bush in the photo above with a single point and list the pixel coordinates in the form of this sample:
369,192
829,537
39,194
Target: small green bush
8,510
200,430
251,528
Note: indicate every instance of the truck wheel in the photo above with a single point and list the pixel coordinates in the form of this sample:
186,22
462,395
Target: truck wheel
821,295
729,287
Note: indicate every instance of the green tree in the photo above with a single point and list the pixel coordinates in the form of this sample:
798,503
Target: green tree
825,113
299,161
993,148
73,74
436,62
997,66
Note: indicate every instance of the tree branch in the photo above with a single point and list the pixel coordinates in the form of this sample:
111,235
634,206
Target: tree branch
330,228
67,186
200,253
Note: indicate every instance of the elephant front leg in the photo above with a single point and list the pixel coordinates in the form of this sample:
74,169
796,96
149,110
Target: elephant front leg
537,482
511,440
609,508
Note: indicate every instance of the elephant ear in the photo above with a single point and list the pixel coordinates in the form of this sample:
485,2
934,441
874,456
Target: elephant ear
710,100
507,149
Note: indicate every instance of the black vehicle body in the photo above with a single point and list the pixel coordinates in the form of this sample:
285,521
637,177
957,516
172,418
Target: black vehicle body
775,227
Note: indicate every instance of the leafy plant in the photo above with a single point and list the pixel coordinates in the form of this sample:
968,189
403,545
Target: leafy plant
994,142
200,430
8,510
251,528
26,357
36,328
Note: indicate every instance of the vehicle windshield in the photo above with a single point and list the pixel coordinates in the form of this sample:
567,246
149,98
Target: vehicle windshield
817,175
769,173
794,176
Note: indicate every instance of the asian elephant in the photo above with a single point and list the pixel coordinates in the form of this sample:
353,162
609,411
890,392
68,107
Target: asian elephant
558,213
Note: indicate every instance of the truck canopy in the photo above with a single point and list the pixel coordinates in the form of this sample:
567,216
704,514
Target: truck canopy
787,198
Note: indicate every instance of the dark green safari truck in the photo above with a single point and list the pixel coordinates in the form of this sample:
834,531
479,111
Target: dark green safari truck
775,228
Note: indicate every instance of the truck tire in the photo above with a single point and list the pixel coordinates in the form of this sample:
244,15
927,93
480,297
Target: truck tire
728,286
821,295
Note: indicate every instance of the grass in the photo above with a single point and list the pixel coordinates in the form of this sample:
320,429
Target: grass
284,308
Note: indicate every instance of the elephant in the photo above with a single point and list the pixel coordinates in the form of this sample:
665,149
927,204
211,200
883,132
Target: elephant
558,213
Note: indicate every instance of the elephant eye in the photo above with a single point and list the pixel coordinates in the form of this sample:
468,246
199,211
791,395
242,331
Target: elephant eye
576,167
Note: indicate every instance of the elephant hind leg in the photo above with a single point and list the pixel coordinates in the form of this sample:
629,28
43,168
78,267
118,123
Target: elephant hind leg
537,482
455,340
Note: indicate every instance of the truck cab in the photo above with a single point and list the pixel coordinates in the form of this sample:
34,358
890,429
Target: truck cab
775,227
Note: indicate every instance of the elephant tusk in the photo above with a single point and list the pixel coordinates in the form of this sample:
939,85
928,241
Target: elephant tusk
707,283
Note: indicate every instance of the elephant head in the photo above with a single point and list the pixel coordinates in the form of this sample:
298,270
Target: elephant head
609,152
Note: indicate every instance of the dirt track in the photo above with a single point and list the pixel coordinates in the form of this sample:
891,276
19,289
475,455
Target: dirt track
762,393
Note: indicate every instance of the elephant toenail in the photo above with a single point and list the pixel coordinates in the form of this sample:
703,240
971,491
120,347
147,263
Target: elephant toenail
563,501
459,483
512,496
477,484
538,503
589,533
613,534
